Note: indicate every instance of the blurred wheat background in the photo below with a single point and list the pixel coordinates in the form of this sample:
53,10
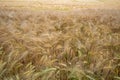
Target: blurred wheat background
60,45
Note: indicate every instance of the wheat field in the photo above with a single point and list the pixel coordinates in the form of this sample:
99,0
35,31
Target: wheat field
60,45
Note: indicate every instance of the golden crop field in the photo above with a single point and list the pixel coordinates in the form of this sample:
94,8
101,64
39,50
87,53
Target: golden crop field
59,40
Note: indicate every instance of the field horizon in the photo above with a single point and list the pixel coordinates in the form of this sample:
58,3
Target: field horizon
60,4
